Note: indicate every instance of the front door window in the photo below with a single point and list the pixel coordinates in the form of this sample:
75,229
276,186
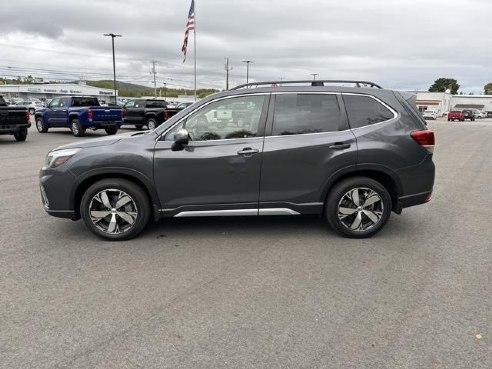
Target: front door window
225,119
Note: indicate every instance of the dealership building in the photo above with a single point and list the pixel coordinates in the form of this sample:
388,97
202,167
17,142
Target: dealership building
443,102
49,91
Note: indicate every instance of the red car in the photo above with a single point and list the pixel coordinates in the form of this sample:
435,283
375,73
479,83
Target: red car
456,115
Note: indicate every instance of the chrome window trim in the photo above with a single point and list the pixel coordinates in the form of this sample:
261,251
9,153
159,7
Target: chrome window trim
395,113
206,104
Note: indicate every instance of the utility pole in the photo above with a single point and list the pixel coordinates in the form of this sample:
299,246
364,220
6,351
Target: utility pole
165,90
113,35
227,69
154,73
248,62
314,75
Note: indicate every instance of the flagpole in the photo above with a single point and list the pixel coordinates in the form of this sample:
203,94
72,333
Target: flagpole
194,48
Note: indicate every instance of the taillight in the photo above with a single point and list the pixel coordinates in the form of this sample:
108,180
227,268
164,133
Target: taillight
166,114
90,114
425,139
122,113
28,116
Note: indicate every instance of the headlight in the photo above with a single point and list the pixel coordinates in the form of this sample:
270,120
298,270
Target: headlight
58,157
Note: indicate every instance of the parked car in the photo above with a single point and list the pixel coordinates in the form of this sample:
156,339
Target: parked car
31,105
183,105
430,114
468,114
352,154
78,113
478,114
147,112
456,115
14,120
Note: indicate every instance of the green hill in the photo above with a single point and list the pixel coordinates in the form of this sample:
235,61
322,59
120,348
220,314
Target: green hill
134,90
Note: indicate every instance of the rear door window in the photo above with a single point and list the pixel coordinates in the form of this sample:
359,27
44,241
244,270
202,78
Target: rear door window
364,110
305,113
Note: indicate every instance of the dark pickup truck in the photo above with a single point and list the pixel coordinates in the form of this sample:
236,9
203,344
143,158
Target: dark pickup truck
14,121
147,112
78,113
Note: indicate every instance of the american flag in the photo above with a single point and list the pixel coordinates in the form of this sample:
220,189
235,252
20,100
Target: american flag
190,26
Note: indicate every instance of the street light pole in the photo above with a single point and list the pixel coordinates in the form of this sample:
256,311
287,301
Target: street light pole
314,75
113,35
248,62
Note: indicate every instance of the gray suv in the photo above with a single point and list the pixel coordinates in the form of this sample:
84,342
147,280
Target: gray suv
351,154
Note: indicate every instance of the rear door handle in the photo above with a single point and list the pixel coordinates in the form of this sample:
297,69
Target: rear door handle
248,151
339,146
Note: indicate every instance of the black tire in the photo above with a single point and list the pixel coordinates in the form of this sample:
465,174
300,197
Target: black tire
139,126
41,125
111,130
139,206
76,127
449,120
21,134
339,197
151,123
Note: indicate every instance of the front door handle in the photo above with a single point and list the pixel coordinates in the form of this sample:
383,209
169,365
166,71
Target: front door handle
339,146
248,151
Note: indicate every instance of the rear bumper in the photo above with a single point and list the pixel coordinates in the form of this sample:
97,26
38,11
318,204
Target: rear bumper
416,199
102,124
12,128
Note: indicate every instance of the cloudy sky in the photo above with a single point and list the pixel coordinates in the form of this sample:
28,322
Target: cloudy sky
402,44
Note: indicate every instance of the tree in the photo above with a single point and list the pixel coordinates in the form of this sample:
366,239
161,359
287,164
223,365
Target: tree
488,88
442,84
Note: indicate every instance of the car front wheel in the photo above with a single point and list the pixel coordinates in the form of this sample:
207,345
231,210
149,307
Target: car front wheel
115,209
358,207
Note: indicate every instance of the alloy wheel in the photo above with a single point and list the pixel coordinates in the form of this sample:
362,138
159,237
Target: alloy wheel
360,209
113,211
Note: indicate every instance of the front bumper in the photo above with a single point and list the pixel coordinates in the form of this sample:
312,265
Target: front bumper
56,188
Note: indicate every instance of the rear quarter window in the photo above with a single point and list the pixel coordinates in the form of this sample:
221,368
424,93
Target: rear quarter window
364,111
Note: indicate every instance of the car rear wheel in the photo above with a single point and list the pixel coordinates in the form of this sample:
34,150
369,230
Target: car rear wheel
111,130
115,209
358,207
21,134
41,125
77,129
151,123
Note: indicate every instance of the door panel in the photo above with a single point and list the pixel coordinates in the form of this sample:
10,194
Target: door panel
209,173
220,166
310,142
296,168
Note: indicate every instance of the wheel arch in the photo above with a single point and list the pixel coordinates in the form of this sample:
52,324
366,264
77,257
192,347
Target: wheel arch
73,116
380,174
88,180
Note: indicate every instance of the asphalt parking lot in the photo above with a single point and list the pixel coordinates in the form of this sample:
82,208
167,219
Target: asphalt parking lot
281,292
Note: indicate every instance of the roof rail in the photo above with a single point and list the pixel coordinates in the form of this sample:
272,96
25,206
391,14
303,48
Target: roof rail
316,82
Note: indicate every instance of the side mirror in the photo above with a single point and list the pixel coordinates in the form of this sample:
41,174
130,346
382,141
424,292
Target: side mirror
181,139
